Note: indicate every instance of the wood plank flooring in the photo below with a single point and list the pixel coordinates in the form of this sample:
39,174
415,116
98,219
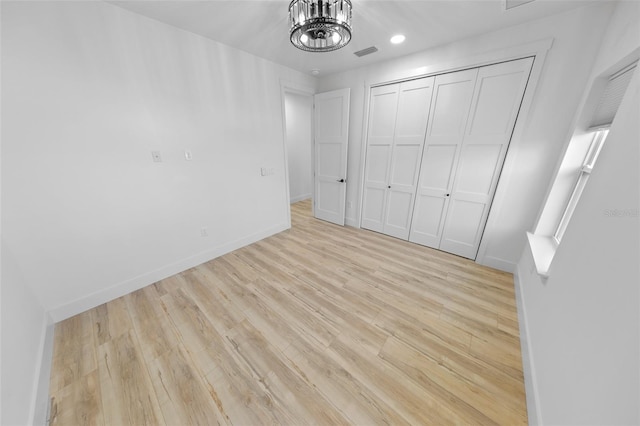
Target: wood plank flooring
316,325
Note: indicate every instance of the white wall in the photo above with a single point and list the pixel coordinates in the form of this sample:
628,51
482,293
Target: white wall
299,115
23,331
531,158
582,325
88,91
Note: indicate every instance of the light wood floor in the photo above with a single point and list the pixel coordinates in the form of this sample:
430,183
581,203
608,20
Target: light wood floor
316,325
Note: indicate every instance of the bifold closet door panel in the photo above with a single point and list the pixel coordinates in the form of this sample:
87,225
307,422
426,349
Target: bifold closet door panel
452,96
496,102
411,125
383,105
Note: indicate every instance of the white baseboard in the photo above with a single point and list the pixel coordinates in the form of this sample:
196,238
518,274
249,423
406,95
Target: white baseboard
40,398
300,198
351,222
497,263
98,298
528,369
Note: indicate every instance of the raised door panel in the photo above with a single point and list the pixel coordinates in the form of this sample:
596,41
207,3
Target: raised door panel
438,165
431,202
411,125
373,204
398,214
451,102
426,227
383,106
498,98
404,167
378,163
477,170
326,153
467,217
328,199
496,103
452,95
413,110
382,116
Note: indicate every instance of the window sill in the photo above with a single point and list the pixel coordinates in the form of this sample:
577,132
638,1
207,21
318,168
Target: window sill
543,249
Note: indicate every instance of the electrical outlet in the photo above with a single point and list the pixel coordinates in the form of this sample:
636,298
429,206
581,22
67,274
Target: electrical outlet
349,205
188,156
204,232
157,158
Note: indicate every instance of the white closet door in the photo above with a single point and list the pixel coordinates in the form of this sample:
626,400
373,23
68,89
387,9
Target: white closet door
496,102
398,122
411,126
383,105
331,139
447,123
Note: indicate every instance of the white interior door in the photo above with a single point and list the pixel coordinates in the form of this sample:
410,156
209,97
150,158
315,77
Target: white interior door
496,101
331,140
447,123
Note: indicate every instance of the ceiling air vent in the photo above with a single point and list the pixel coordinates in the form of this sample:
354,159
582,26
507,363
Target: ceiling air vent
367,51
510,4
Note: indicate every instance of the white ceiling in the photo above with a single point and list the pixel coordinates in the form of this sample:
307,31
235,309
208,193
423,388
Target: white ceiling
261,27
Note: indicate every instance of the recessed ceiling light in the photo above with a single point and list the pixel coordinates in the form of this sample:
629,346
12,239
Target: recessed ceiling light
397,39
315,71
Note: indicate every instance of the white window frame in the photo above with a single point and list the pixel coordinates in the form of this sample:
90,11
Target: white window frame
597,142
597,115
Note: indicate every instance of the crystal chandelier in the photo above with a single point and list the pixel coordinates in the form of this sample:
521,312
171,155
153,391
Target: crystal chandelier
320,26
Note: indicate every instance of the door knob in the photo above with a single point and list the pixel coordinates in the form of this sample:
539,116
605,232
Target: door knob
446,195
340,180
389,186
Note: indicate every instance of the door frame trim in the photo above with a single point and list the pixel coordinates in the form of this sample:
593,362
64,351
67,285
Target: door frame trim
538,50
296,89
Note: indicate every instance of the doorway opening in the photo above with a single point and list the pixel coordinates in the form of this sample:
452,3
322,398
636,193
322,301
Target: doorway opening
298,110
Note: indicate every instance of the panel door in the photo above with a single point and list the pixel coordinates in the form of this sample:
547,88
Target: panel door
452,95
383,106
414,99
331,139
496,101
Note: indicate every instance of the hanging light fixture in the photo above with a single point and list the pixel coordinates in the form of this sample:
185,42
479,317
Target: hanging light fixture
320,26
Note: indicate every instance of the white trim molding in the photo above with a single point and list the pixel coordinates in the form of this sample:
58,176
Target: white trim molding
528,366
300,198
300,89
40,408
497,263
97,298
